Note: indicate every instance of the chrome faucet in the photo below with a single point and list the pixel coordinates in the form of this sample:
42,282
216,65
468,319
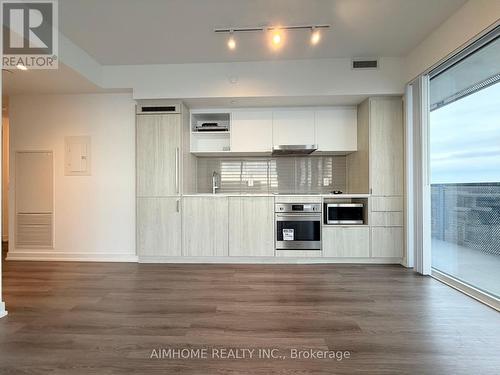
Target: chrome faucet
215,181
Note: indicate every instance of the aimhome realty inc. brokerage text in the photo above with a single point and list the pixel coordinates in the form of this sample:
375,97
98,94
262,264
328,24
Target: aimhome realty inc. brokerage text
219,353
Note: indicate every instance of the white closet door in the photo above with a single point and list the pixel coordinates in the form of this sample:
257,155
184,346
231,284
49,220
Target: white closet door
34,182
34,179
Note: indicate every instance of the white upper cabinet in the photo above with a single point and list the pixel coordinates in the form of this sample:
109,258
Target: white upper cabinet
336,129
293,127
252,131
257,130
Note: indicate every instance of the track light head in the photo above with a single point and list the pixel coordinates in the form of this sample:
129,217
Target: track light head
315,36
231,42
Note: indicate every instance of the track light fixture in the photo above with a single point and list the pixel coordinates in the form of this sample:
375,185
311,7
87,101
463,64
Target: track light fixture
277,33
315,36
231,42
276,38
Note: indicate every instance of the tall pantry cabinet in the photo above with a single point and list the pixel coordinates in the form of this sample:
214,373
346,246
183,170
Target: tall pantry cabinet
380,156
158,180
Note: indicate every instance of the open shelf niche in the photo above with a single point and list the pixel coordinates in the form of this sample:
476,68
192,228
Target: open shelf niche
210,141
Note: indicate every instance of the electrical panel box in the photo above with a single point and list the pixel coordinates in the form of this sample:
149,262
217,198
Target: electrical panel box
77,156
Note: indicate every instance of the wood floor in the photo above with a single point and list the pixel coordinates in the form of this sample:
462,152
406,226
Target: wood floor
98,318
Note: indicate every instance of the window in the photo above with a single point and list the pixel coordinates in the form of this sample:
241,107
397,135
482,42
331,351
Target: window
465,169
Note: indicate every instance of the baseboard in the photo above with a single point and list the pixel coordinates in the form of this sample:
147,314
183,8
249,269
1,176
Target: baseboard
267,260
3,312
52,256
37,255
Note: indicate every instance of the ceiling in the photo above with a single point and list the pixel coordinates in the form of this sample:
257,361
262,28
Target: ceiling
124,32
61,81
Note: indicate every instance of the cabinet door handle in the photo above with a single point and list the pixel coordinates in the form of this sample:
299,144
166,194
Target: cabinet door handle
178,205
177,151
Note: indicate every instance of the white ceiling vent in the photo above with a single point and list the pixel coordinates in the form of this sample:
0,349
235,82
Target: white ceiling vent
157,107
364,64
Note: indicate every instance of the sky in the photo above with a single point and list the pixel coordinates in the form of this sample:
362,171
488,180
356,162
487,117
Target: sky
465,139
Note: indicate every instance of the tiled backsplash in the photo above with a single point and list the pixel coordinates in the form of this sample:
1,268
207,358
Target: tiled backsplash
304,174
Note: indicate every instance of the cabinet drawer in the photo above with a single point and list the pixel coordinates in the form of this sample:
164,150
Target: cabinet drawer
298,253
384,204
346,242
386,219
297,199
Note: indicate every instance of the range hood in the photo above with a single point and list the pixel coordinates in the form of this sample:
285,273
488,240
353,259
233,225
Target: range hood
291,150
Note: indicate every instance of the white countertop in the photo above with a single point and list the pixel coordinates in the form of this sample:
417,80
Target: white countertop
222,195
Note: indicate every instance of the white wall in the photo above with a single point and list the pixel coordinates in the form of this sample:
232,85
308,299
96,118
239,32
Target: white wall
322,77
5,176
471,19
2,304
94,215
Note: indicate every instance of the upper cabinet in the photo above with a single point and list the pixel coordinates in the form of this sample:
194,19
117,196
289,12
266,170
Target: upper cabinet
210,131
158,141
336,129
378,166
293,127
386,146
252,131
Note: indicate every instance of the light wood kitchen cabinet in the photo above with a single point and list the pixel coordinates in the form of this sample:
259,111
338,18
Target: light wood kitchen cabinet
158,141
204,226
377,166
293,127
346,242
385,219
251,226
387,242
158,227
336,129
387,204
252,131
386,146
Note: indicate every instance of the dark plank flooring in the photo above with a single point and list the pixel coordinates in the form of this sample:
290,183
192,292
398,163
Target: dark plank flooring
98,318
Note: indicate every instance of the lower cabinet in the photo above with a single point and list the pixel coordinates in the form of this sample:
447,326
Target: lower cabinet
387,220
387,242
251,226
205,226
158,227
346,242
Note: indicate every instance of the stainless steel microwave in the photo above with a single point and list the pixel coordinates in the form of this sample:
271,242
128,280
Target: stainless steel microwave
344,213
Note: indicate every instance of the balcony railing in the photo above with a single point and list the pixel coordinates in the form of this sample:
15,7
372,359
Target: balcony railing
467,215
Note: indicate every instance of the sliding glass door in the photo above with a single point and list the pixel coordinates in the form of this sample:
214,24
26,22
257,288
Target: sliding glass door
464,134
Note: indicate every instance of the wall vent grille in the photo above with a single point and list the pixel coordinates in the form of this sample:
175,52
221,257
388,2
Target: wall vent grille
365,64
34,230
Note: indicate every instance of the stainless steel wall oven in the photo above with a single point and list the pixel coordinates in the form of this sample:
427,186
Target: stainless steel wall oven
298,226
